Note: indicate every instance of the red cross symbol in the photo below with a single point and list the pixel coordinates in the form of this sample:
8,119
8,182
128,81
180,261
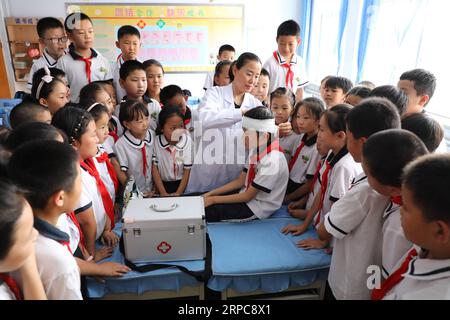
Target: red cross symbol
164,247
141,24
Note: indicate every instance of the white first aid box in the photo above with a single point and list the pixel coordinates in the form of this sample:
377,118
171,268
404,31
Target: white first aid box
164,229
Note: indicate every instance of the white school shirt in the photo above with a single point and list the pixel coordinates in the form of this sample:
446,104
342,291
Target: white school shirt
115,71
130,157
153,106
209,80
57,267
76,70
221,122
91,197
425,279
271,180
45,60
65,224
395,244
5,292
355,222
171,160
288,143
307,160
108,145
317,185
104,173
278,73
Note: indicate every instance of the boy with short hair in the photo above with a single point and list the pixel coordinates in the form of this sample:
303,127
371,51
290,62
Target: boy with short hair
83,64
53,184
336,89
28,111
133,79
419,85
425,218
385,178
173,95
355,221
129,43
54,41
226,52
285,67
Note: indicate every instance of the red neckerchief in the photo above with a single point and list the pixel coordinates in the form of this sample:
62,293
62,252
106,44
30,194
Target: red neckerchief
275,146
395,278
144,160
112,173
119,57
12,285
289,75
87,67
173,154
72,217
316,175
114,135
323,190
89,166
295,157
397,200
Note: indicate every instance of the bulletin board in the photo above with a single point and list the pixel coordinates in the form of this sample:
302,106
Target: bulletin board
183,37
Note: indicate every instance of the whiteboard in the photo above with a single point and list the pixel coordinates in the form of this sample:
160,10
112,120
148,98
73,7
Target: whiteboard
183,37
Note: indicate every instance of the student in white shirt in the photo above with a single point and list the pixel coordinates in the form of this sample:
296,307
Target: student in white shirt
133,79
134,149
220,113
129,43
385,178
336,90
340,170
426,128
261,89
305,155
173,153
173,95
285,67
424,273
264,180
226,53
54,41
155,78
82,64
355,221
49,91
95,211
17,249
53,187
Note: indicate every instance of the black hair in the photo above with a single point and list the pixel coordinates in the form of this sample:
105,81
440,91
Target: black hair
73,18
402,147
226,47
31,131
56,170
339,83
426,128
187,93
153,62
97,110
220,66
371,116
47,23
261,113
324,80
24,112
246,57
130,66
428,179
367,84
128,31
393,94
132,110
57,73
166,113
314,106
88,94
5,132
424,81
230,71
360,91
289,28
169,92
336,116
72,121
264,72
283,92
46,89
12,203
109,82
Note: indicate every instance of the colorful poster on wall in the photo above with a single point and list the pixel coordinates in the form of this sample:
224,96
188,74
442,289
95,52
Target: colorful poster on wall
184,38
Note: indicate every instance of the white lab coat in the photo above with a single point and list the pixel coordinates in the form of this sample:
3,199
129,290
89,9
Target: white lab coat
221,137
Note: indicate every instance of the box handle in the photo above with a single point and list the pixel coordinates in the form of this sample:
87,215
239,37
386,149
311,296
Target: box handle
155,208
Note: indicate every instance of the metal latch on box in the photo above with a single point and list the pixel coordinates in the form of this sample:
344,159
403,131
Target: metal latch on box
137,232
191,229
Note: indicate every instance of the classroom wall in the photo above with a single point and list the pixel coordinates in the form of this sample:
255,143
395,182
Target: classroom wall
262,18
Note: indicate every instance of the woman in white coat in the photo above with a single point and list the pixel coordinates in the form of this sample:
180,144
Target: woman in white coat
220,155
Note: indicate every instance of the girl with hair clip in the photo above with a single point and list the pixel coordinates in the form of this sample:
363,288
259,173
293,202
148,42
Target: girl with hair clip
95,212
172,158
335,176
262,183
17,247
49,91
